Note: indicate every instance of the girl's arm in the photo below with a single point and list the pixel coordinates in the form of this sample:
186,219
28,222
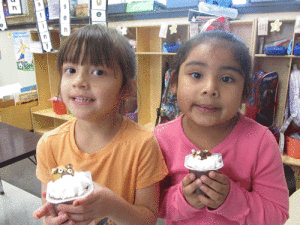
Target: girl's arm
102,202
267,202
173,205
144,210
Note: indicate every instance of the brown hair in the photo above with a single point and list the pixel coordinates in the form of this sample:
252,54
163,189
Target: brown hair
100,46
238,47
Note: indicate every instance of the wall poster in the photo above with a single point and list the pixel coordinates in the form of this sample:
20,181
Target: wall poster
24,57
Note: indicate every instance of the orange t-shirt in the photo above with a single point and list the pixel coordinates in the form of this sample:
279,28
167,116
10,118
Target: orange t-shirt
132,160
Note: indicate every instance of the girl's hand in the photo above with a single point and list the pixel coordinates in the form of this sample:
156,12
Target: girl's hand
189,185
85,210
49,212
217,187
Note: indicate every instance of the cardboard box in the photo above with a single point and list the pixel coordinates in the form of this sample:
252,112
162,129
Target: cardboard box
28,95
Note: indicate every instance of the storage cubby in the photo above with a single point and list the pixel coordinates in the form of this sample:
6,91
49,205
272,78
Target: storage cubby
182,33
147,39
282,64
47,78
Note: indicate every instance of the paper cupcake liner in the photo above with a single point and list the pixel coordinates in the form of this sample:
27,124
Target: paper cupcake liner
192,168
58,201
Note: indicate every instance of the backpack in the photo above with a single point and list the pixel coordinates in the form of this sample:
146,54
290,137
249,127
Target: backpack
168,109
263,100
292,110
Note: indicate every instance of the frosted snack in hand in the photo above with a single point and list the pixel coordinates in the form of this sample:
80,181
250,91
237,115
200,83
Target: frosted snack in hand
67,185
202,162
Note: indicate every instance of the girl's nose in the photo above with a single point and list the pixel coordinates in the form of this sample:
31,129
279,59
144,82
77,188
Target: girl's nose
80,80
210,88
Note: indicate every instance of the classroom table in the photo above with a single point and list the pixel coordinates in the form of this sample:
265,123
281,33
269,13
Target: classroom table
15,144
294,209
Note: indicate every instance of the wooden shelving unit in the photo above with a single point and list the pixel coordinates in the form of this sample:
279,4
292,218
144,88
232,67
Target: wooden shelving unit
151,64
43,117
282,64
290,161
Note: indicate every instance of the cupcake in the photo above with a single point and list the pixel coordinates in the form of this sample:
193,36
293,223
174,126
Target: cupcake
67,185
202,162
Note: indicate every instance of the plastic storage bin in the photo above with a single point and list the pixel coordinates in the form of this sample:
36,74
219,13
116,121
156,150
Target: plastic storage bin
292,147
279,50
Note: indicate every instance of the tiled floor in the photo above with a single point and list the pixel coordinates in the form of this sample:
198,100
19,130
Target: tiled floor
17,206
22,194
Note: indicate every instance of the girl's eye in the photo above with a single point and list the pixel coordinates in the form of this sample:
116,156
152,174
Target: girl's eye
98,72
196,75
70,70
227,79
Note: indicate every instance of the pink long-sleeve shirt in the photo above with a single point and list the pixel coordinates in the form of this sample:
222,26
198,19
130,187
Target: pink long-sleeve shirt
252,163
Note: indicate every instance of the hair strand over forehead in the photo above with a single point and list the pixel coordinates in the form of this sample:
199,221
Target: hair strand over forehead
98,45
237,46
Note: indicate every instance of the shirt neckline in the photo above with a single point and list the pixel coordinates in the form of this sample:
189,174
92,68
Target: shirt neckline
104,150
223,143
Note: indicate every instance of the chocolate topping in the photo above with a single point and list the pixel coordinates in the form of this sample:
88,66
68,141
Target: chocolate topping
202,153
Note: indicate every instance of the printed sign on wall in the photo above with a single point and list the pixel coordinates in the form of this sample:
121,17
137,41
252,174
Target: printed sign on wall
42,25
3,25
98,12
64,18
14,7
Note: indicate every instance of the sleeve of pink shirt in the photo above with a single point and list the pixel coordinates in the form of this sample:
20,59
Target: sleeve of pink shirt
173,205
267,203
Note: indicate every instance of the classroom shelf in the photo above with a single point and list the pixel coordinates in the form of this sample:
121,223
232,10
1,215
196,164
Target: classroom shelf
50,113
290,161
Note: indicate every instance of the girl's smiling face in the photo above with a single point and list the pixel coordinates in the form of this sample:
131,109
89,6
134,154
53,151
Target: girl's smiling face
91,92
210,85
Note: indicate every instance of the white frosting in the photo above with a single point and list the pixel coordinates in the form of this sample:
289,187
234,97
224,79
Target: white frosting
69,186
213,162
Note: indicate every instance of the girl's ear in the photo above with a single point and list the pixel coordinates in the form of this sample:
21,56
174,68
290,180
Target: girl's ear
246,94
174,83
129,90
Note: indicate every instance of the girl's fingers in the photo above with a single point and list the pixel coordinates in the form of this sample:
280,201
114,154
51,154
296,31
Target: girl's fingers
71,222
188,180
62,218
42,211
190,189
218,177
82,217
214,185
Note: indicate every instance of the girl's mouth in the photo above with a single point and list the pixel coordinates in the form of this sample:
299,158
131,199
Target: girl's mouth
204,108
82,100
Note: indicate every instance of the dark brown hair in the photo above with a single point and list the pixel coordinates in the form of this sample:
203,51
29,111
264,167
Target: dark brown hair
238,47
100,46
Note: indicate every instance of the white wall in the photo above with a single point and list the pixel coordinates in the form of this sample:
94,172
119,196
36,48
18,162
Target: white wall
9,74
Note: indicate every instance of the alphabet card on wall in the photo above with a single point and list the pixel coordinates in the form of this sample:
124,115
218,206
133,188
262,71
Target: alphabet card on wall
65,18
14,7
42,25
3,25
98,12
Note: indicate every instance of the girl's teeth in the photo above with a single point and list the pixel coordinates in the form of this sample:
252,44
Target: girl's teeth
82,100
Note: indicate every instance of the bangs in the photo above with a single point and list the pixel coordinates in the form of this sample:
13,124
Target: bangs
88,49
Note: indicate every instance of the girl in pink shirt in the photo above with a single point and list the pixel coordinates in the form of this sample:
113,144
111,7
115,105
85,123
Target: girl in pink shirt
211,80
